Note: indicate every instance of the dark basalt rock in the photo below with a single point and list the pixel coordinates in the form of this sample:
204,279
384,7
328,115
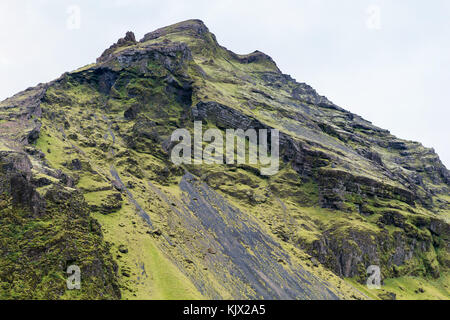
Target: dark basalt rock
393,218
397,145
16,180
195,28
132,112
371,155
33,135
76,164
123,249
306,93
129,39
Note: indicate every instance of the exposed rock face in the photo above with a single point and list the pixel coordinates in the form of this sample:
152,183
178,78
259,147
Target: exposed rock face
129,39
220,219
348,194
306,93
194,28
16,181
74,237
345,253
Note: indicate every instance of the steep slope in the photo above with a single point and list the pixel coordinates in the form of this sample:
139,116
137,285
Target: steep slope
348,194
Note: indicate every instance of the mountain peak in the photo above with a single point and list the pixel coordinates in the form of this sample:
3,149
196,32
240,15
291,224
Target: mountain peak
201,42
98,143
192,27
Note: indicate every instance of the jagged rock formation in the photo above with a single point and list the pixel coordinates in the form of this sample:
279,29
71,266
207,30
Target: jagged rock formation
348,194
42,235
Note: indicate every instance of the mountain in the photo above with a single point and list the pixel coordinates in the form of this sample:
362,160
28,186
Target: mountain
86,180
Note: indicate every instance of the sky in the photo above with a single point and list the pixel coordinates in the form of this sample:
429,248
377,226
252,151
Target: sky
386,60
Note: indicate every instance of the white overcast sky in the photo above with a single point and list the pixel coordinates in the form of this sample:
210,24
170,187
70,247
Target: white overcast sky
386,60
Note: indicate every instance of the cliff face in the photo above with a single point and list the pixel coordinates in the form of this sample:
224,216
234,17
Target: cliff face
95,144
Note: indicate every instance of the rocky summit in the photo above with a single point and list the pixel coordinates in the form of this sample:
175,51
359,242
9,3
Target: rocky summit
86,180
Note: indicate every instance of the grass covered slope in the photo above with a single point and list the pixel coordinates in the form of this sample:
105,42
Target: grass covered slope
348,194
